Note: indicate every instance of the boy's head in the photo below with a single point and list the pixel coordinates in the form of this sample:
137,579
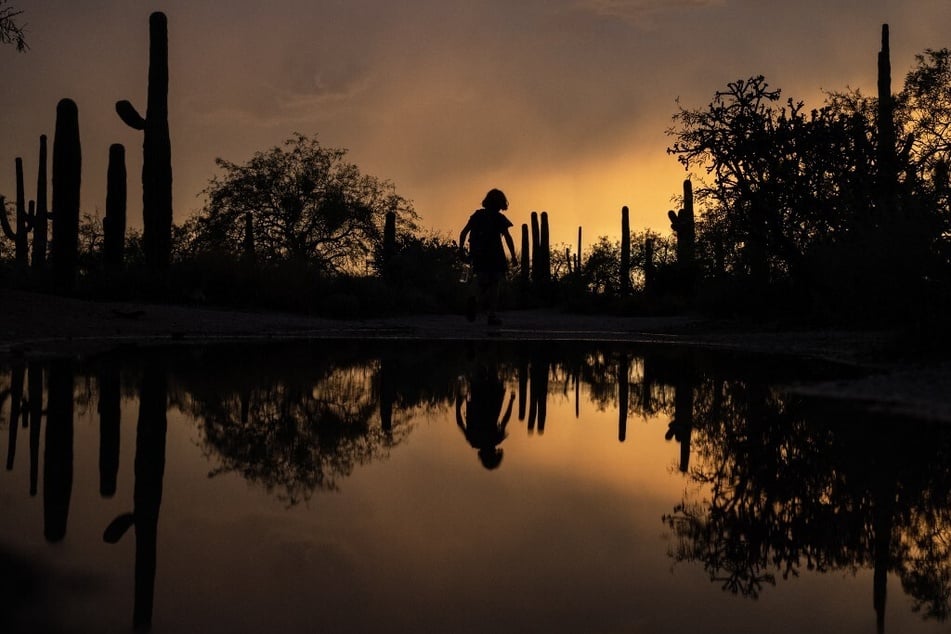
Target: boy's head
496,200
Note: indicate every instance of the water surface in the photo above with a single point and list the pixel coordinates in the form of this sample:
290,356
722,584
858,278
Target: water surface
454,487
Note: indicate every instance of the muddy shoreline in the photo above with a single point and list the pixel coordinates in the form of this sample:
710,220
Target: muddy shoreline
35,325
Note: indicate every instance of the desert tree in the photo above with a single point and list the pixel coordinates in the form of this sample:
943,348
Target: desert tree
305,202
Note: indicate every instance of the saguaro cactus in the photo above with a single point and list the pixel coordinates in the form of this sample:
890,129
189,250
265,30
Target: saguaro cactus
157,149
114,223
20,235
887,158
536,240
544,247
525,266
67,177
41,213
682,223
625,250
578,255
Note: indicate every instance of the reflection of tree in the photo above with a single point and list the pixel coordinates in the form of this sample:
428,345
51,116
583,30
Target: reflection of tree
648,392
782,490
297,427
24,387
925,546
17,374
36,415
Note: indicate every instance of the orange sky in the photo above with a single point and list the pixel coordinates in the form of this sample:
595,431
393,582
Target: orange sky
561,103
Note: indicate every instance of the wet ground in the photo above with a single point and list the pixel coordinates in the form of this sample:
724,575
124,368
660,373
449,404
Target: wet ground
37,325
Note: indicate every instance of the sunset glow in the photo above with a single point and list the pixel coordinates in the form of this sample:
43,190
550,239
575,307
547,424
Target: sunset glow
562,104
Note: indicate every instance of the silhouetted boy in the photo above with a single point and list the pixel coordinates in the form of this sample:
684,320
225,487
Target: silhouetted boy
486,229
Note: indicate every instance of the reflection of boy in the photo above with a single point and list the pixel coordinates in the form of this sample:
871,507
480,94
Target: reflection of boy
485,229
481,425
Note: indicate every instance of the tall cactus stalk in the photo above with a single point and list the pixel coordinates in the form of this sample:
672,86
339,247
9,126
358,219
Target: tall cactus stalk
22,238
67,177
41,213
115,221
20,234
686,239
544,247
887,152
625,250
578,255
157,149
525,266
536,255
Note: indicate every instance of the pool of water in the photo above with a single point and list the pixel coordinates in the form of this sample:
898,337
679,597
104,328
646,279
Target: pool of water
461,487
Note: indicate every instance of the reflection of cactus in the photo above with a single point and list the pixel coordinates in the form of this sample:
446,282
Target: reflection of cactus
58,452
113,224
150,442
623,394
682,224
67,176
157,149
17,375
41,213
625,251
20,235
35,375
538,392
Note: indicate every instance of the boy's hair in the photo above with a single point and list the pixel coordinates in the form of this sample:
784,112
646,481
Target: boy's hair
495,199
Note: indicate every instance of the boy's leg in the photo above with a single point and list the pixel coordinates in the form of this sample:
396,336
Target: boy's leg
491,302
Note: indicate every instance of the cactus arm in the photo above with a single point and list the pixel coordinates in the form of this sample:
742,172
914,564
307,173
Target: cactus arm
117,528
673,219
7,229
130,115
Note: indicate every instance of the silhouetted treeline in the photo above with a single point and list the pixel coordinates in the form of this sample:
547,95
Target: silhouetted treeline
838,213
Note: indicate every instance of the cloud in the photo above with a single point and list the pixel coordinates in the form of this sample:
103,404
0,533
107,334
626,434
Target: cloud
641,12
